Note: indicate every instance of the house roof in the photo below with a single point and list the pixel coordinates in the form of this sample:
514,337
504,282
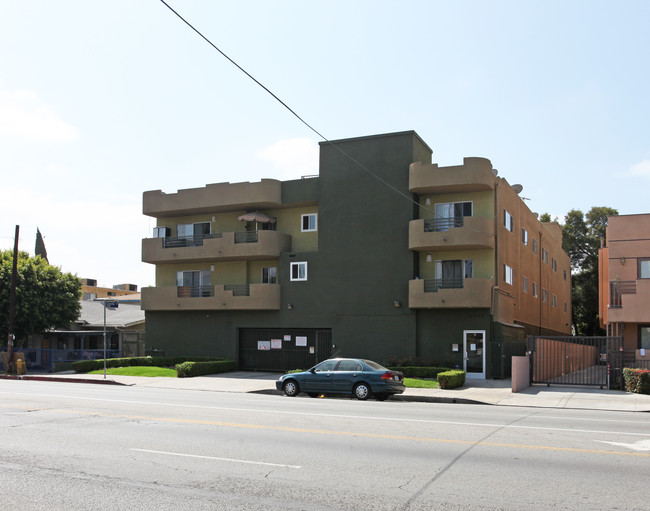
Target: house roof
126,315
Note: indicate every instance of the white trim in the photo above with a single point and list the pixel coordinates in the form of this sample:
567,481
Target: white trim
302,222
298,264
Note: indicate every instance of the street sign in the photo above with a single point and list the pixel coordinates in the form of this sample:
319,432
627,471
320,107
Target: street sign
111,305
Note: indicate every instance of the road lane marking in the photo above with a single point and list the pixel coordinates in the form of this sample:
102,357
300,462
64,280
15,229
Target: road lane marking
217,459
329,432
641,445
356,417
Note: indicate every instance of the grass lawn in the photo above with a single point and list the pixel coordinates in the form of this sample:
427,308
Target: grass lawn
138,371
414,383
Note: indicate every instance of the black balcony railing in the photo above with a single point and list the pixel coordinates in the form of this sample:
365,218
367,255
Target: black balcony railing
432,285
246,237
195,291
617,289
442,224
238,289
188,241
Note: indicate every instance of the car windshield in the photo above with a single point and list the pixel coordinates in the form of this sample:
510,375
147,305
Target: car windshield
374,365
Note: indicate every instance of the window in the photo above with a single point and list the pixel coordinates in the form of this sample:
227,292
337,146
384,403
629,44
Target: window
644,337
524,284
193,283
193,234
507,274
553,264
566,308
565,275
349,365
508,221
161,232
534,246
299,271
326,366
524,236
309,222
450,274
545,255
535,289
644,268
451,214
554,300
270,275
544,295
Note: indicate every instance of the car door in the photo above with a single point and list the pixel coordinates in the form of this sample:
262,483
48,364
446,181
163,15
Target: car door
346,376
319,378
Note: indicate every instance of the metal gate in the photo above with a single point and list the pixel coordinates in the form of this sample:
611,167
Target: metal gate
593,361
283,349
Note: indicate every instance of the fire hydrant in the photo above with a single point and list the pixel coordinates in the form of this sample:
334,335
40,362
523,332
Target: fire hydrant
20,367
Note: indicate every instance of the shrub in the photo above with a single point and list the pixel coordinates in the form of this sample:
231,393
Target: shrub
637,380
189,369
451,379
85,366
420,372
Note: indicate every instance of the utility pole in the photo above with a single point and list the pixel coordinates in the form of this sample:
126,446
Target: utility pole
12,306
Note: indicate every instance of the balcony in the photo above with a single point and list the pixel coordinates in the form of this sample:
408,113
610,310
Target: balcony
213,198
219,297
450,293
460,233
226,246
474,175
628,302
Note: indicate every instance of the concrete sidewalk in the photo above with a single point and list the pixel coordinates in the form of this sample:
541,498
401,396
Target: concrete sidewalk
492,392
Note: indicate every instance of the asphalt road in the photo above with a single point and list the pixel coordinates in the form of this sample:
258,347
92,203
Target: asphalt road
76,446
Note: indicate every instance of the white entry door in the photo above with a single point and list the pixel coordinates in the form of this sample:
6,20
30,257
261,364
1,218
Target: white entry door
474,353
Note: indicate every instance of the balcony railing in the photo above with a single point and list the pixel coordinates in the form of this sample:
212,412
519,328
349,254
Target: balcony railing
617,289
442,224
432,285
238,289
188,241
195,291
246,237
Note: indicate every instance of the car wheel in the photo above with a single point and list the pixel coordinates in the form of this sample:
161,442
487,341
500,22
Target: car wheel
362,391
291,388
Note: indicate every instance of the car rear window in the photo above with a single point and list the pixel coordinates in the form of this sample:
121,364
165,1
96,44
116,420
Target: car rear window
375,365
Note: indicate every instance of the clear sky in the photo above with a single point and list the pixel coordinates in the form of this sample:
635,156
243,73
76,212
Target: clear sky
100,101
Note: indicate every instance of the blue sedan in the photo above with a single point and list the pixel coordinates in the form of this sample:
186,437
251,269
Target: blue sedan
354,376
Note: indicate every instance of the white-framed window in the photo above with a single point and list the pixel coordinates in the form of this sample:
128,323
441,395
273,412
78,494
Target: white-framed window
544,295
535,289
299,271
524,284
161,232
507,274
524,236
270,275
309,222
508,221
545,255
554,300
644,268
553,264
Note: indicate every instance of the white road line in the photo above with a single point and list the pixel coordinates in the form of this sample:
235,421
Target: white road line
218,459
338,416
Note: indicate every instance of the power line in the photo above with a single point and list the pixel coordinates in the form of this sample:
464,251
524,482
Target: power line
355,161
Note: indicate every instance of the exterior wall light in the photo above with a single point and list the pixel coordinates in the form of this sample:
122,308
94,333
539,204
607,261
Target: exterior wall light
428,258
397,303
622,260
290,306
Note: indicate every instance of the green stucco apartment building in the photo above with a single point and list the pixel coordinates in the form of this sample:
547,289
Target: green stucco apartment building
383,255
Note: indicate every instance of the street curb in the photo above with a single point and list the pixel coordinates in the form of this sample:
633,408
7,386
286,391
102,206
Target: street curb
58,379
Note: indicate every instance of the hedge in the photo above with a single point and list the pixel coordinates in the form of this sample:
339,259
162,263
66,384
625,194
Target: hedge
451,379
420,372
189,369
85,366
637,380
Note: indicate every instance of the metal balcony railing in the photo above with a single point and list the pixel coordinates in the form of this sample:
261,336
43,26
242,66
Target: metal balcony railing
238,289
432,285
188,241
195,291
442,224
246,237
617,289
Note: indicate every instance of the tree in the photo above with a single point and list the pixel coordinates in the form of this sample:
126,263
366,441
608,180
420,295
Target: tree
39,249
46,297
581,238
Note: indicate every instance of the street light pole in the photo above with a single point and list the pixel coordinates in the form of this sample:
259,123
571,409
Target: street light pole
108,304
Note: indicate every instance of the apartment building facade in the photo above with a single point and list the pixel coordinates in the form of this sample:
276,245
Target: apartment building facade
393,258
624,284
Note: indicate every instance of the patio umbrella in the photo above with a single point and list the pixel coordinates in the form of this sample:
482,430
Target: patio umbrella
257,217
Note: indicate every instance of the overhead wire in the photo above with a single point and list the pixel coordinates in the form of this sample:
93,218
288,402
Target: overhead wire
309,126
